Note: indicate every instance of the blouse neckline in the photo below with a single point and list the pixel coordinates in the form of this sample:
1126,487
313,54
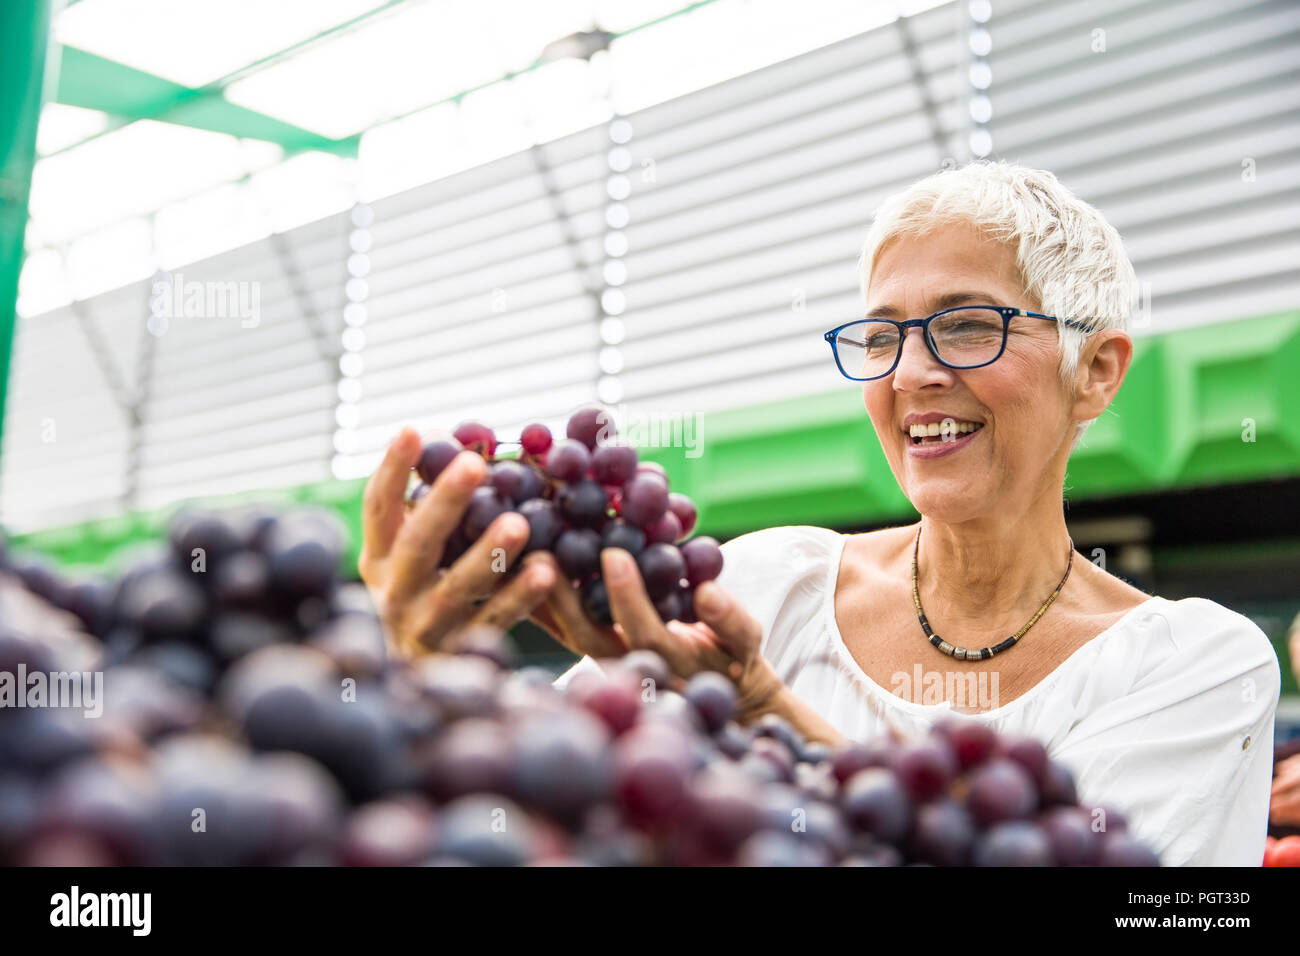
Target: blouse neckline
842,649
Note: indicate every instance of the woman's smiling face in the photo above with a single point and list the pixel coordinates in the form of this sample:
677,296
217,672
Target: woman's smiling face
1019,401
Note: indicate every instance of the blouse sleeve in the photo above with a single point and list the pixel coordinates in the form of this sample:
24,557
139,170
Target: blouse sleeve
1186,753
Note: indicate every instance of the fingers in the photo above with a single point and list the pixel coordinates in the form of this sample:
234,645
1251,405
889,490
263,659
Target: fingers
580,635
383,502
738,633
424,534
637,617
518,598
447,605
478,571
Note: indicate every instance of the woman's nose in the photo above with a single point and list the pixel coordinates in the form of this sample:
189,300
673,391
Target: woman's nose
917,365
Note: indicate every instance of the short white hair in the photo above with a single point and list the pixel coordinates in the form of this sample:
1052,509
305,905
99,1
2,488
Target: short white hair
1072,262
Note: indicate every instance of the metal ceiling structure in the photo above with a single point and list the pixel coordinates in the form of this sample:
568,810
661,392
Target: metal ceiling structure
127,95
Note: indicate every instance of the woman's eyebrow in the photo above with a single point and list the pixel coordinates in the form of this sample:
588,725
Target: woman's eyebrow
939,303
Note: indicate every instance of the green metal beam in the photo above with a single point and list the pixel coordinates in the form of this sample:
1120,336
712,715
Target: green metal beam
94,83
24,40
129,95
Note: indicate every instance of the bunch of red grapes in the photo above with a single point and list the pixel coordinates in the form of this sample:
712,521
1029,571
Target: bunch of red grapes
251,716
579,495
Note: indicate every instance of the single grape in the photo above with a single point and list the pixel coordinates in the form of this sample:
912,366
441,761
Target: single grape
703,560
544,524
733,740
1027,752
1058,786
925,768
614,697
714,697
563,764
91,599
686,597
614,464
457,544
1123,850
682,506
725,809
485,506
1074,843
393,832
876,803
535,439
508,478
669,607
1001,790
578,553
568,460
477,437
531,484
852,757
620,534
781,848
595,602
592,426
646,665
212,534
434,458
651,777
817,753
645,499
973,743
243,580
1013,843
943,835
654,469
667,530
470,831
472,756
662,568
461,686
874,853
1108,820
164,605
777,754
774,725
583,504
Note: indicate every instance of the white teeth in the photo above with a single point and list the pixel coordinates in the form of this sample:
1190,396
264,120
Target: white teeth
935,429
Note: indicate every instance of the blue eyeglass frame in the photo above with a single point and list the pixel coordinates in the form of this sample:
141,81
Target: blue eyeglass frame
1008,313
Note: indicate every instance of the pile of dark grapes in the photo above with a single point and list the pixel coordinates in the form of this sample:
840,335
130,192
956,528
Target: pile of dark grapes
579,495
251,716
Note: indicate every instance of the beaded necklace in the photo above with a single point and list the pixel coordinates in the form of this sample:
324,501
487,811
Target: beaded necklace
966,654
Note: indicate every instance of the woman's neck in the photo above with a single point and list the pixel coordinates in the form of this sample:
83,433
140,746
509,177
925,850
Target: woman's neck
989,576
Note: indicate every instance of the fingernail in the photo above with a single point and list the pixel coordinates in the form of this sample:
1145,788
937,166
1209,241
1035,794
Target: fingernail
710,599
540,576
618,563
469,466
513,525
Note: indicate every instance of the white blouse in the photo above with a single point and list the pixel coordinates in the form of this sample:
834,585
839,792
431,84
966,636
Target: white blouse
1167,715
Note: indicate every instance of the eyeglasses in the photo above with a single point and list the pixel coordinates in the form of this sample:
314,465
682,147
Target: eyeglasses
970,336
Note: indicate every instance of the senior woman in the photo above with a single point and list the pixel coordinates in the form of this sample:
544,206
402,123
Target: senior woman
993,334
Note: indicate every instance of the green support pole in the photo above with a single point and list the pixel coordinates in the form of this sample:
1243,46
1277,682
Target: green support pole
24,39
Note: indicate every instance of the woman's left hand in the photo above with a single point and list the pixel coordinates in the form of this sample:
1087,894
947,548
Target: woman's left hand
727,639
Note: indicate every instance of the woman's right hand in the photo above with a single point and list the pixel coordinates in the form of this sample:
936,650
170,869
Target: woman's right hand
561,615
421,606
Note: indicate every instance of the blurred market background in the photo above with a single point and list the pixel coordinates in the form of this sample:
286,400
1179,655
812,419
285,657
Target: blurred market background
242,242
